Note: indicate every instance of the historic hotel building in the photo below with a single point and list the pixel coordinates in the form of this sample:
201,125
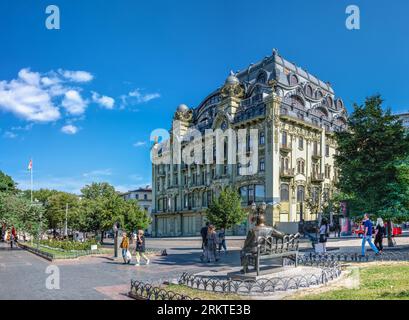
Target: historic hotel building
296,115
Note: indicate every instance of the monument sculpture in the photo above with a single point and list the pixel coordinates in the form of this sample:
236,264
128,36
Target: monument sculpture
265,242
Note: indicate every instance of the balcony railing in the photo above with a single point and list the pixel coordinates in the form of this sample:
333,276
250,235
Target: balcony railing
286,147
316,155
317,177
287,173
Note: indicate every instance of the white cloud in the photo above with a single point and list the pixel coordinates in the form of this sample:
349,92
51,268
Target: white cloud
137,97
74,103
69,129
98,173
139,144
143,97
9,135
36,97
29,77
76,76
104,101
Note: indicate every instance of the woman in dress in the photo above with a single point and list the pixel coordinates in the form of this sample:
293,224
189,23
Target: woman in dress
211,245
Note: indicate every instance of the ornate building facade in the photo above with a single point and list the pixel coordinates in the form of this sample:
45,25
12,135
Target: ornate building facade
296,115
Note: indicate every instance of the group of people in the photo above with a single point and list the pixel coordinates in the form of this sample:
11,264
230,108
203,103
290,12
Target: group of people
380,232
212,242
9,235
139,248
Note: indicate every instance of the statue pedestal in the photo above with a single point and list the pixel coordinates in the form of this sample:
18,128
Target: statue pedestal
268,271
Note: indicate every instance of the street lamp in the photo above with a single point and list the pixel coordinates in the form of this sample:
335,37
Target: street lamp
116,229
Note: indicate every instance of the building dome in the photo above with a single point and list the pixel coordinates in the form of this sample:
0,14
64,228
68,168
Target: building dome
232,79
182,108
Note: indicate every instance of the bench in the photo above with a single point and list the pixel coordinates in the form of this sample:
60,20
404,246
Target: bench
269,248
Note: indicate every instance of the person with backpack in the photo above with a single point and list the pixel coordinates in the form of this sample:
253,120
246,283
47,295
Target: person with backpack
324,233
125,248
379,234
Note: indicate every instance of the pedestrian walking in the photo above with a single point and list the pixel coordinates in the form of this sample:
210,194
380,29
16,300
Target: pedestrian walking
125,248
203,233
211,245
222,240
380,232
140,248
367,235
324,233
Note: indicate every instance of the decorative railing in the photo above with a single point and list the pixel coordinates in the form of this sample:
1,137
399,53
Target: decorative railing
146,291
329,270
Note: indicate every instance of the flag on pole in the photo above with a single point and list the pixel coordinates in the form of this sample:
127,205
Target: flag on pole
30,165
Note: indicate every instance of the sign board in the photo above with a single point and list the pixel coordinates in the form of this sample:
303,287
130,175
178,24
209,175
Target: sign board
94,247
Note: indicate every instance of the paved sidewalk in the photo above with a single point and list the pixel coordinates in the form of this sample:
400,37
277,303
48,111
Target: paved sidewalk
23,274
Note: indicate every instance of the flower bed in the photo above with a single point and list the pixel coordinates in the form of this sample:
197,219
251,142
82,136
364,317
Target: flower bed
69,245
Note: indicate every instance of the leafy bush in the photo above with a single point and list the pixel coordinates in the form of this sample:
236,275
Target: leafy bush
69,245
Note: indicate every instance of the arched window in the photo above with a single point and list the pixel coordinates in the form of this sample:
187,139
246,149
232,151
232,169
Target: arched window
308,91
318,94
300,193
285,163
261,137
293,80
330,102
261,78
300,166
284,192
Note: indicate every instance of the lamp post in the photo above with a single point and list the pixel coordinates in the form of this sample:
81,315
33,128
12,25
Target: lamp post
116,229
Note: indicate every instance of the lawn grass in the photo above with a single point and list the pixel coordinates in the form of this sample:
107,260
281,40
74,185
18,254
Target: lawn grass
386,281
201,294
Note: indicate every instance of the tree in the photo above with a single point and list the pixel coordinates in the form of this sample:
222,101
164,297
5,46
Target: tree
135,217
368,153
56,206
18,211
226,210
7,184
102,207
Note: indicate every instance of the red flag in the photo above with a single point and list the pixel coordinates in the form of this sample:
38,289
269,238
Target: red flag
30,165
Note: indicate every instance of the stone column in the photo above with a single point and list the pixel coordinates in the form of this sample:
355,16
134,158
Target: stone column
272,157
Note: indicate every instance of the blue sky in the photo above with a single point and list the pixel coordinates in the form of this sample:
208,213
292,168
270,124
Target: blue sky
139,59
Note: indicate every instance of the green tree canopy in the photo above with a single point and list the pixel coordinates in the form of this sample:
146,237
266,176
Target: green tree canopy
226,211
370,155
7,184
135,217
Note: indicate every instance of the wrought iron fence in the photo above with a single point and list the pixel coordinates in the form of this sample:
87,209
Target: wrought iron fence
146,291
329,270
355,257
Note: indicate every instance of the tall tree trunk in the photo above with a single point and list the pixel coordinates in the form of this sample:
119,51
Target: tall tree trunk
102,237
390,242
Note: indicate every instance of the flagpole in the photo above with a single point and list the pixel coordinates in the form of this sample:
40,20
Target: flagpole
31,178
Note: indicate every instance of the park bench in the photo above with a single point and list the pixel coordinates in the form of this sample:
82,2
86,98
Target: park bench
269,248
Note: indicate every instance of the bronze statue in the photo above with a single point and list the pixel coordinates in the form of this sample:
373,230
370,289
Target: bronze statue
260,230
